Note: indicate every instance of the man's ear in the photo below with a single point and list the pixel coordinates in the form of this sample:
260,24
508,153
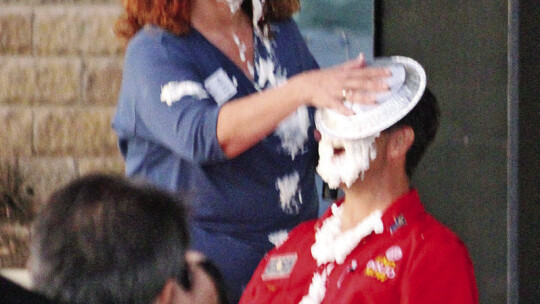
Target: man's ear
401,140
170,292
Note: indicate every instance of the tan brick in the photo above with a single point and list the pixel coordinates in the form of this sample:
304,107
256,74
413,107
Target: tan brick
75,132
16,132
102,165
17,80
97,37
19,2
13,181
102,80
56,30
22,2
58,80
76,29
14,241
16,30
44,175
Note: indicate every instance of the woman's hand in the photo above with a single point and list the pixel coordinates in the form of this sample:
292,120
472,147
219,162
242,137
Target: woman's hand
244,122
351,81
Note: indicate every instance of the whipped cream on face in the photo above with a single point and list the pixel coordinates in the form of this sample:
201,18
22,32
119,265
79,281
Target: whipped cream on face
343,161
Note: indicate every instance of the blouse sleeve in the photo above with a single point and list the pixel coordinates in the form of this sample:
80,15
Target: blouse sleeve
163,99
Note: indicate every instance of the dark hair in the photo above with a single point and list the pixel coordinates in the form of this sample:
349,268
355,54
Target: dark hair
424,120
14,293
174,15
104,239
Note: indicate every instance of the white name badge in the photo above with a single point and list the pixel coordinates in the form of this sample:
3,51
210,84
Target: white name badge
220,86
280,266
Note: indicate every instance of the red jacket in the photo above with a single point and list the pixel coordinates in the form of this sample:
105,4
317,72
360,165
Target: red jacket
415,260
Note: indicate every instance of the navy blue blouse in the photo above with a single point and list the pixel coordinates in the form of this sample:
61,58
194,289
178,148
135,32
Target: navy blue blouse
239,204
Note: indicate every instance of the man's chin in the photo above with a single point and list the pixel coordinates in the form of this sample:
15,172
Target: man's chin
342,182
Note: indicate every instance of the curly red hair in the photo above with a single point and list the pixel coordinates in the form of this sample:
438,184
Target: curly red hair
174,15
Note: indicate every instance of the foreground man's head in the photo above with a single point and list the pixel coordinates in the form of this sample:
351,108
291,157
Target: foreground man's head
103,239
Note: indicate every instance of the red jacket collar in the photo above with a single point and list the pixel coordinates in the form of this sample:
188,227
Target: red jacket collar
404,209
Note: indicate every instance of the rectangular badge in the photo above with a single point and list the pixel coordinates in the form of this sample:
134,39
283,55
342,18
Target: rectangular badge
220,86
279,266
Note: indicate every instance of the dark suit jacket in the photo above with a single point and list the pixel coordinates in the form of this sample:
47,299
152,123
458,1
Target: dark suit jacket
12,293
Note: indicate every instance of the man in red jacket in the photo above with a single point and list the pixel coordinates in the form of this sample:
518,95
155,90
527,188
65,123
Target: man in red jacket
378,244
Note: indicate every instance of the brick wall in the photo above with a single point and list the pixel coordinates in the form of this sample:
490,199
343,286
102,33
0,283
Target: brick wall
60,72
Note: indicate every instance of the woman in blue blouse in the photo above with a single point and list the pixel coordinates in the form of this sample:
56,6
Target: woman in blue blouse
217,103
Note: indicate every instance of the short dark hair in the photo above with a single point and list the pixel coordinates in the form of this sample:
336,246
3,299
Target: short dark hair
104,239
424,120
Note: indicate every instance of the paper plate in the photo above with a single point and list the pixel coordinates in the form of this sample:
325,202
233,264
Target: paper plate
407,85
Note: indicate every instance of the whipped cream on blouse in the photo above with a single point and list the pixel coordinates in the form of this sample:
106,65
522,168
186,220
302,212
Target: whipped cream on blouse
176,90
267,73
234,5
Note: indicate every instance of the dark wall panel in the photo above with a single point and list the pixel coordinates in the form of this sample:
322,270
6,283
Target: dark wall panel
463,179
529,152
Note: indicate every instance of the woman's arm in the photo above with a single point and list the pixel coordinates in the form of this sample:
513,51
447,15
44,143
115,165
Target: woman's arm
244,122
